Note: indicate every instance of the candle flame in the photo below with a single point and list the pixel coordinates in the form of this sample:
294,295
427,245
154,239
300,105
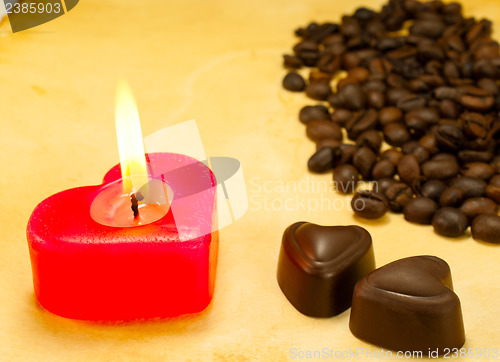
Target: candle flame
130,142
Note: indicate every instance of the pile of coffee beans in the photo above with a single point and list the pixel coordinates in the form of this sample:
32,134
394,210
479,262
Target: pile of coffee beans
423,78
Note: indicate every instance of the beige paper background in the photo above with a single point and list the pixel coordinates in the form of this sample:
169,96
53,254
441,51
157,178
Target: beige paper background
218,62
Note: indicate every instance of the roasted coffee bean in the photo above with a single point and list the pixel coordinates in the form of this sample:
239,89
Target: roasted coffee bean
420,210
307,51
375,99
427,28
398,195
396,134
486,50
329,62
332,39
345,155
489,85
410,102
370,139
313,113
309,58
477,99
345,178
294,82
395,21
291,61
408,169
421,119
496,163
392,154
359,73
452,8
327,142
478,30
467,156
350,27
450,222
341,116
369,204
364,14
421,154
390,43
445,157
430,116
389,115
449,137
409,147
382,185
321,160
473,187
363,160
486,228
416,126
495,180
446,93
320,32
428,52
452,196
417,85
351,60
376,29
450,70
478,205
305,46
449,109
360,123
318,91
345,81
480,170
475,125
395,94
377,68
321,129
484,68
315,77
429,143
403,54
352,97
433,189
493,192
383,169
374,84
440,169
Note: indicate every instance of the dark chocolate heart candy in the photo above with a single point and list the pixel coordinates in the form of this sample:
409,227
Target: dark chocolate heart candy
319,266
323,243
408,305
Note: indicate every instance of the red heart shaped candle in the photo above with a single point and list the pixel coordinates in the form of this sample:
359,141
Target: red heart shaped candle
118,251
85,270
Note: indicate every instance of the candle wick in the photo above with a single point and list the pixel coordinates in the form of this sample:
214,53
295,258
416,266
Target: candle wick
135,205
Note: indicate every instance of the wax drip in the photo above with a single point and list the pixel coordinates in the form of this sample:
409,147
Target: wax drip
135,205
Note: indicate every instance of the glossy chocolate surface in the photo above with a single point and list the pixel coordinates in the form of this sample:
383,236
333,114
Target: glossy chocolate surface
408,305
319,266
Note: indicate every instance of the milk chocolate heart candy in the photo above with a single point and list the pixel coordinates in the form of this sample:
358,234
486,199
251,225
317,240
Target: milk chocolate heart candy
408,305
319,266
